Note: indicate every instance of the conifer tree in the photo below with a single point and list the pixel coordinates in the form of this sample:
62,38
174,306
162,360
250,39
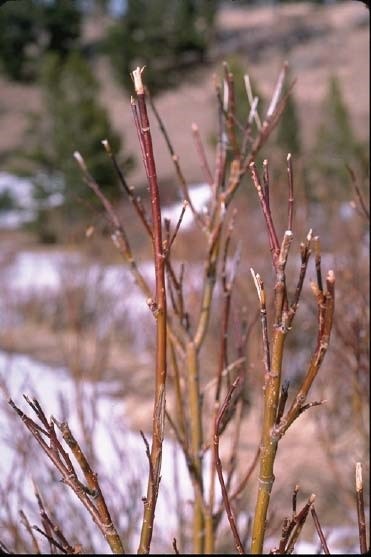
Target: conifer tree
336,146
31,28
73,119
166,37
288,132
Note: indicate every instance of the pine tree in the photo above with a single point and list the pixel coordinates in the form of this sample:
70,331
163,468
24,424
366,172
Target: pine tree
167,37
18,29
72,120
288,133
336,146
31,28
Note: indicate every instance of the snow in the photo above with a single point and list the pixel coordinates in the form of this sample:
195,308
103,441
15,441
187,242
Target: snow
199,194
21,374
110,290
25,205
21,190
46,274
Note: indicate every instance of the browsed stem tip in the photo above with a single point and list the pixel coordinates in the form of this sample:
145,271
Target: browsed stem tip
258,283
359,481
80,161
137,78
312,498
288,157
194,127
106,145
330,276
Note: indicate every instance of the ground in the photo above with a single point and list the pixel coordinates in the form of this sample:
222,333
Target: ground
334,39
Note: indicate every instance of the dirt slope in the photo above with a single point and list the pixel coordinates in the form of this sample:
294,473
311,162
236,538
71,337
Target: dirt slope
317,42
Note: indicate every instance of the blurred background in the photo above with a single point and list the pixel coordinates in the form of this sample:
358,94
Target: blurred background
69,305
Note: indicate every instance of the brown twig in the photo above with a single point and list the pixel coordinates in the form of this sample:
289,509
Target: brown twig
259,285
264,202
148,455
319,531
231,110
221,147
292,528
282,401
174,157
27,525
290,213
62,462
274,423
119,236
135,200
253,101
4,550
45,521
161,316
218,464
176,230
305,253
294,499
266,182
299,521
53,543
247,476
317,255
202,156
358,193
361,510
227,288
325,303
175,547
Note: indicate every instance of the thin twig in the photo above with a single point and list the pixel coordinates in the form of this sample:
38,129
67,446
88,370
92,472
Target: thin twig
277,92
247,476
180,219
201,153
317,254
259,285
174,157
361,510
291,192
299,521
283,400
148,455
231,110
135,200
319,531
272,235
175,547
252,101
230,515
62,462
294,499
359,195
27,525
50,539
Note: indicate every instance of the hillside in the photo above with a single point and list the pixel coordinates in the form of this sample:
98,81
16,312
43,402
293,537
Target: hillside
317,42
